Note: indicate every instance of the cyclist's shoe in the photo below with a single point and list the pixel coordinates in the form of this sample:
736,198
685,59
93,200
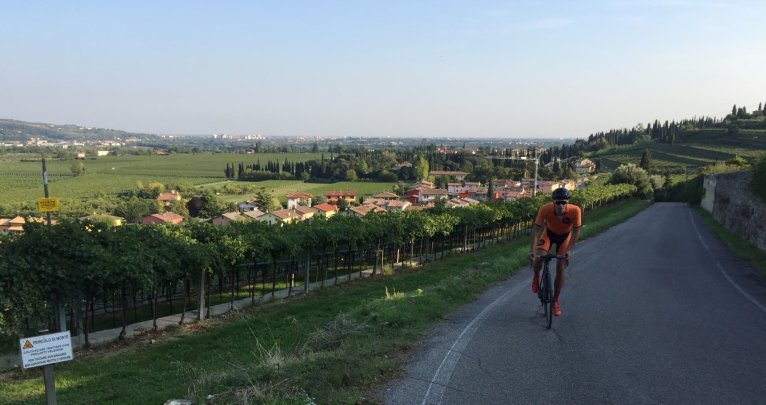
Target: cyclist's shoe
536,283
556,308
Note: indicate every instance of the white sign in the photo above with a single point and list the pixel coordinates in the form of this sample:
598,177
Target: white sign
46,349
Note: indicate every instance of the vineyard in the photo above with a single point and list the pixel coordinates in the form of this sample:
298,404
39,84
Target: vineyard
664,156
21,178
112,276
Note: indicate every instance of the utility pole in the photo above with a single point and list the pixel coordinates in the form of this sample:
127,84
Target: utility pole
536,159
49,377
60,313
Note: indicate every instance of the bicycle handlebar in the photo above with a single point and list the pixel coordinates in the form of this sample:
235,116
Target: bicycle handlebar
550,256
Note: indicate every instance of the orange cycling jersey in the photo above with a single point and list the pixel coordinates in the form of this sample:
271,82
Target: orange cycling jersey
572,218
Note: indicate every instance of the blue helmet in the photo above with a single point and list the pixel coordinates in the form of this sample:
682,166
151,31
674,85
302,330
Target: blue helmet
561,193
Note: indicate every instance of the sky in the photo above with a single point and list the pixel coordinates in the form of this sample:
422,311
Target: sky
511,69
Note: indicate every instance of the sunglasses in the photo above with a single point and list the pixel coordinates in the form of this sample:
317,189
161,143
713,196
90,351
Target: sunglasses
560,202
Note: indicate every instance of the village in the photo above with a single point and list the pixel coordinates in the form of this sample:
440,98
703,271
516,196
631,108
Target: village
301,206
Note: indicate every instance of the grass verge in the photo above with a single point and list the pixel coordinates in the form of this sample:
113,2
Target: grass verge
335,345
740,246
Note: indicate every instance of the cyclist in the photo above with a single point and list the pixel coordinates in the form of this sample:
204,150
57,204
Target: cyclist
561,222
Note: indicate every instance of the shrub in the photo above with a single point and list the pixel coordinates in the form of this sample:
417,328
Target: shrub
758,184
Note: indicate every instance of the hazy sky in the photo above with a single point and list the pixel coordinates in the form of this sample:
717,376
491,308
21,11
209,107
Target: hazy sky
376,68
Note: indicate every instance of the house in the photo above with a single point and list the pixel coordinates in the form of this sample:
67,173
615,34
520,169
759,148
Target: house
326,210
397,205
16,225
547,186
304,212
463,188
386,196
335,196
296,199
584,166
364,209
248,205
168,198
458,175
512,194
110,220
227,219
79,155
398,166
164,218
482,194
432,194
12,225
252,214
280,216
461,202
102,153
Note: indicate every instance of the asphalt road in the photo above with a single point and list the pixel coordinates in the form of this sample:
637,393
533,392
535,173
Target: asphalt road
655,310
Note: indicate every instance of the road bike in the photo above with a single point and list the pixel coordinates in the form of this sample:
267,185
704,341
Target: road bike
545,293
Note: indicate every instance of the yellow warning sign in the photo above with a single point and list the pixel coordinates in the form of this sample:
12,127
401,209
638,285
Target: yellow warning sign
47,204
28,345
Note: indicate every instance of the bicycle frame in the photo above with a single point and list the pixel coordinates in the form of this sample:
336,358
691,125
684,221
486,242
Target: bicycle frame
545,293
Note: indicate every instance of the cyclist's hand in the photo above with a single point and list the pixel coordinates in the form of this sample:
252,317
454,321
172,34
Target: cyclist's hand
531,257
568,256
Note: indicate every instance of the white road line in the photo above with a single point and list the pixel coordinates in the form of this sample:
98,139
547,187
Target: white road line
721,269
444,372
442,375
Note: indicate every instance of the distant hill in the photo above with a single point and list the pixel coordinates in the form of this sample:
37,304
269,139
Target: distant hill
683,146
21,131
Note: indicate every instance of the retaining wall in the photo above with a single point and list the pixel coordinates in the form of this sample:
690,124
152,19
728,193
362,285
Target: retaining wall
728,198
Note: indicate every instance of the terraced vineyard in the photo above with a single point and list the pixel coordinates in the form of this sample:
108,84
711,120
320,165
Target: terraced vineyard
708,148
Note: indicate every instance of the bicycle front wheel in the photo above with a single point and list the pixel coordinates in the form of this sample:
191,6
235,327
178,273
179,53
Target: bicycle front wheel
548,298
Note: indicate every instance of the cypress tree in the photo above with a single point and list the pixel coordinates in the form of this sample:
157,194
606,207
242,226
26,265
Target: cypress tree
490,191
646,161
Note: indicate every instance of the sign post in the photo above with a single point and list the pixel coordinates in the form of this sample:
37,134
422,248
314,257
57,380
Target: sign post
45,350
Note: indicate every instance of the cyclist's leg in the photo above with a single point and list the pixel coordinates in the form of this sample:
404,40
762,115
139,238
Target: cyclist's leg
543,244
558,284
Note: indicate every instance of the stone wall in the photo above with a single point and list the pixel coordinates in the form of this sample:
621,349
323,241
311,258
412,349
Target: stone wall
728,198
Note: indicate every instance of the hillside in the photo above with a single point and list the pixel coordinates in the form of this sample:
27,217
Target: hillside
21,131
704,148
681,147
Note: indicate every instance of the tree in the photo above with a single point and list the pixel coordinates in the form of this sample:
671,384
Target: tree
758,183
646,161
421,168
210,205
264,200
567,172
350,175
156,186
733,128
632,174
78,168
134,208
490,190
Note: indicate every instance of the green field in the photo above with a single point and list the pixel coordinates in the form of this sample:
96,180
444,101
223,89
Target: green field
21,175
21,178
